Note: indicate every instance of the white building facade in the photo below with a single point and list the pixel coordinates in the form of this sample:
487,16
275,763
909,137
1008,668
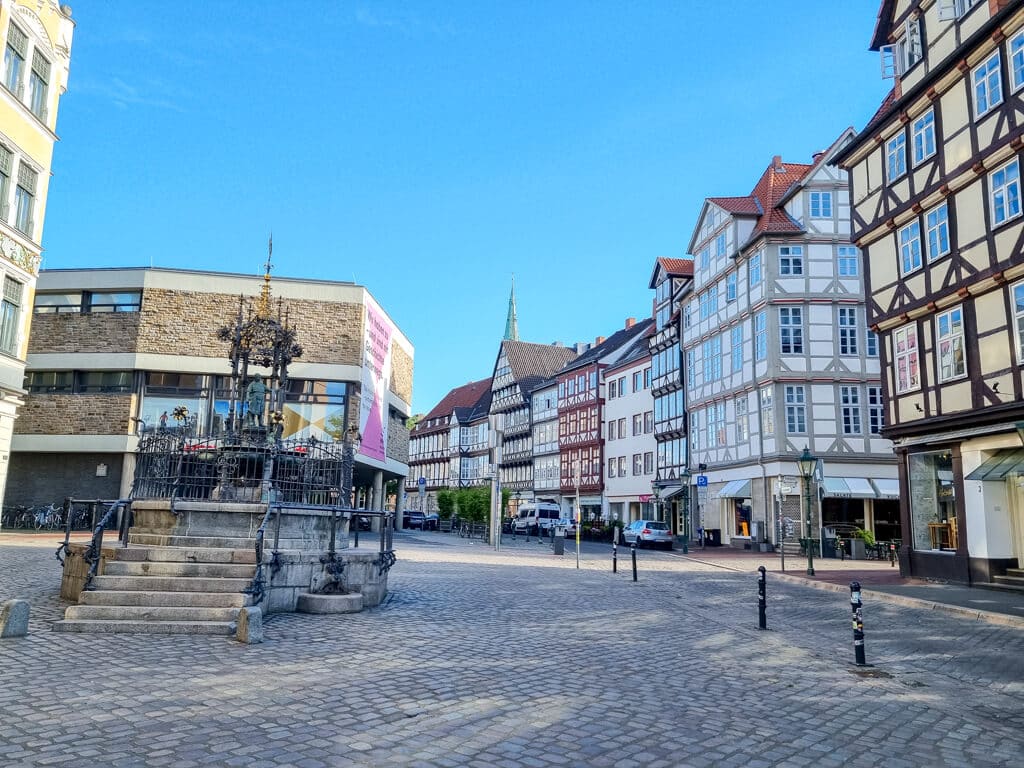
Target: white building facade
628,431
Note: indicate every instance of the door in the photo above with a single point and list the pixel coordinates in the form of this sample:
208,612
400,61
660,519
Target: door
1016,496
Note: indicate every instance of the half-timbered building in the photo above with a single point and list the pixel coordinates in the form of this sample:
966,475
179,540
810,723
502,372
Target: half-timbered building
935,179
777,357
580,406
546,463
520,366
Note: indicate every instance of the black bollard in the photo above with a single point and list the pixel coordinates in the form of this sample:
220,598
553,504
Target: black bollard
762,618
892,554
615,557
632,548
858,624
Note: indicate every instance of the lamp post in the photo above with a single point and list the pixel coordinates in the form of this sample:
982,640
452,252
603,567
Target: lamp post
684,477
807,463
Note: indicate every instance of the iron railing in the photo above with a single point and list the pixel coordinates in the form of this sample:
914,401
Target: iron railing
95,550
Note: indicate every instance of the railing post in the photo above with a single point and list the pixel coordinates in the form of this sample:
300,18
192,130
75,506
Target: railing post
762,618
858,624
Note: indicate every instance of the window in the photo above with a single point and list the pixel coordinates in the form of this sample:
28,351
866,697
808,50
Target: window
849,400
638,464
622,466
848,330
705,258
923,137
755,269
796,410
1017,61
932,497
14,60
712,352
25,197
761,335
742,422
638,424
6,161
949,332
791,260
649,463
730,288
50,381
904,342
622,427
910,248
648,422
647,378
38,84
612,463
691,368
821,205
871,343
716,425
954,9
910,44
10,316
708,303
767,413
876,414
611,429
1005,183
849,261
988,89
791,330
720,247
896,156
736,340
105,381
695,430
1018,315
613,389
936,227
638,382
622,386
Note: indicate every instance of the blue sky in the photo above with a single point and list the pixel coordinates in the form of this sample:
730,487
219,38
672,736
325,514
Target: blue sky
429,150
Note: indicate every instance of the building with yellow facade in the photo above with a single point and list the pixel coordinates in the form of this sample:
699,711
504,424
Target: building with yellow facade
34,74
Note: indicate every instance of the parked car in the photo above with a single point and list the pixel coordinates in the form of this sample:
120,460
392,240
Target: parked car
652,532
431,521
413,518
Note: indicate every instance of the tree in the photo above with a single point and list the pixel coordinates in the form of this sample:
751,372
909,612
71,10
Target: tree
445,503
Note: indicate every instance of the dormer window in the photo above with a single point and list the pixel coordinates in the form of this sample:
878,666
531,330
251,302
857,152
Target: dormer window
904,53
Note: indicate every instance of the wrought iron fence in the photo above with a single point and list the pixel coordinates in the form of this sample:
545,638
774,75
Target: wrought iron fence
245,468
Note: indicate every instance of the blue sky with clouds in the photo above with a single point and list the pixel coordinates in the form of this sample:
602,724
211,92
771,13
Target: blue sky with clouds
429,150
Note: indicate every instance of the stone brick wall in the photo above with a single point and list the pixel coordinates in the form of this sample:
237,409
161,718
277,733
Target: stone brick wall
398,439
41,478
99,414
401,373
67,332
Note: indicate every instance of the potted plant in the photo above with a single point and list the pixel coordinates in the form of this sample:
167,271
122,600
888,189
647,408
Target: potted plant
859,541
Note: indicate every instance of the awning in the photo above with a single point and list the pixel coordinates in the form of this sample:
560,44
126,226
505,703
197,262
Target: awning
847,488
735,489
671,492
1003,462
887,487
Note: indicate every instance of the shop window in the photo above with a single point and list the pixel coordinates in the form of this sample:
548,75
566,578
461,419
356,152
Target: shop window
932,501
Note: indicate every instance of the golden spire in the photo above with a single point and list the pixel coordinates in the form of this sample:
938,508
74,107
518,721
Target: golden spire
263,305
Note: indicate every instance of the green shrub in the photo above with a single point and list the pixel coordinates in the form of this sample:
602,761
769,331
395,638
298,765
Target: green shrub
868,536
445,504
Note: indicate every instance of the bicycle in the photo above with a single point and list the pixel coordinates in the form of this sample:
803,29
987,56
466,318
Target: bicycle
50,516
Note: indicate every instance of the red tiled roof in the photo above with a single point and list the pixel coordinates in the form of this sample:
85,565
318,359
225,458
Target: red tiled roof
770,189
738,205
677,267
465,396
884,107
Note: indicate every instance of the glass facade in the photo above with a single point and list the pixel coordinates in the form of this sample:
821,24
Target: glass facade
932,501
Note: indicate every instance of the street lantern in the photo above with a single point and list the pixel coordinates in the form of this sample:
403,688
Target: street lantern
684,477
807,463
656,493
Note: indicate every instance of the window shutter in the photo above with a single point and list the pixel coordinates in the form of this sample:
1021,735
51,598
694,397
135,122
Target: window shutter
5,161
18,40
27,178
40,65
947,10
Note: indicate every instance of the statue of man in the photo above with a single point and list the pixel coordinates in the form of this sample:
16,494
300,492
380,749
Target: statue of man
255,399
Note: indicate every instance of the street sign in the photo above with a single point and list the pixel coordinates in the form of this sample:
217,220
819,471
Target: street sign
702,481
422,482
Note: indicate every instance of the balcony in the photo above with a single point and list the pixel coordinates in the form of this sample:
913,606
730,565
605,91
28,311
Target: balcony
519,428
664,337
517,457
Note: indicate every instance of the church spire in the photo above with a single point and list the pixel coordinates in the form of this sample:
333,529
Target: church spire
511,324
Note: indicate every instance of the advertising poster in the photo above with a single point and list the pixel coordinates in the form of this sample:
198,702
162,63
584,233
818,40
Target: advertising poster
373,407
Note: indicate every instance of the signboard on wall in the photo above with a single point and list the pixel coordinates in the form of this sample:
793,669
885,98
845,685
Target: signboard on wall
376,381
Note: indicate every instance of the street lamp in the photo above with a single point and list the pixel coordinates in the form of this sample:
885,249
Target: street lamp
684,477
807,463
656,492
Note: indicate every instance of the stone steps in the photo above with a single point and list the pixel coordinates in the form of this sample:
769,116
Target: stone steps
146,627
137,613
1015,583
171,583
202,569
165,599
192,542
1015,572
186,555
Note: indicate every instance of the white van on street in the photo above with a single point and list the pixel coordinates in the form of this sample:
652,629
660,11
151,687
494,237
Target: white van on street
534,518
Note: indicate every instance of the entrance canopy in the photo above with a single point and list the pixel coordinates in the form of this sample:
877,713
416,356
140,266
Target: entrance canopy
887,487
848,488
735,489
1003,462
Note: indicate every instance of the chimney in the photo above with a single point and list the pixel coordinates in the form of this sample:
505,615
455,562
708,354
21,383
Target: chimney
598,341
817,156
556,343
630,322
777,163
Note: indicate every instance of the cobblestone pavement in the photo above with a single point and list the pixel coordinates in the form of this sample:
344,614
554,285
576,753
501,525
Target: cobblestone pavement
516,659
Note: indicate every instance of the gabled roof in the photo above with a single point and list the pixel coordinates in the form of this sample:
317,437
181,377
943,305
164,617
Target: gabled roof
532,363
883,26
672,268
738,206
773,185
613,343
464,397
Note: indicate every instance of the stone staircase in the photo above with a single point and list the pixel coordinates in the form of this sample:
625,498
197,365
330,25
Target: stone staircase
1013,580
791,549
168,585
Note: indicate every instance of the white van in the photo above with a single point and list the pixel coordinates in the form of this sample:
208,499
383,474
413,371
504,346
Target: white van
534,518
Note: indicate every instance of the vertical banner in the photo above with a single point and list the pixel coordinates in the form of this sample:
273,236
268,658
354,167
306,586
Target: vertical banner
373,403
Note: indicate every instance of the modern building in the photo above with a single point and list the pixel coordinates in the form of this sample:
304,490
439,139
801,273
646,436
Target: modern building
37,55
628,428
777,358
935,182
519,368
672,281
118,352
448,448
580,421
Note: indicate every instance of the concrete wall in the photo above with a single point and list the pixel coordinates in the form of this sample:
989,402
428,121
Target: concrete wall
41,478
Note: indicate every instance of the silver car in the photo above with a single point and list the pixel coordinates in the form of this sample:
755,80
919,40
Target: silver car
643,532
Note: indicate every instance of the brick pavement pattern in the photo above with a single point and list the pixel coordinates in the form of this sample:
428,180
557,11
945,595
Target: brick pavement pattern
515,659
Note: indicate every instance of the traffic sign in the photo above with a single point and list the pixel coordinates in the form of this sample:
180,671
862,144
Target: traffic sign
422,482
702,481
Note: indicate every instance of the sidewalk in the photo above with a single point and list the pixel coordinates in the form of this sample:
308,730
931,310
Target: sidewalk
880,581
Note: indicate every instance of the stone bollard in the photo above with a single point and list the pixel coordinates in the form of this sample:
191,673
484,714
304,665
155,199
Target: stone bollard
250,625
14,618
